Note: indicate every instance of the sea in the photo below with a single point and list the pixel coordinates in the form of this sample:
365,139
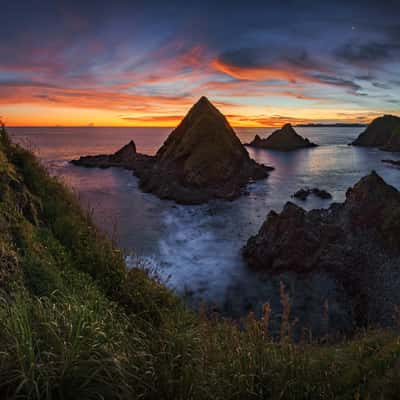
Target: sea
196,250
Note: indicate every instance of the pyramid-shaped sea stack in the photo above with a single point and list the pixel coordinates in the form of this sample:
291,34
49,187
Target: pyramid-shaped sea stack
202,159
284,139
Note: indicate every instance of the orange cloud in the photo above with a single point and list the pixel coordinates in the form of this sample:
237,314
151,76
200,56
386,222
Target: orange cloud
256,73
284,71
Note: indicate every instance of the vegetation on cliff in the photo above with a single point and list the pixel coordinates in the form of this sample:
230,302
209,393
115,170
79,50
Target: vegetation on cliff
76,324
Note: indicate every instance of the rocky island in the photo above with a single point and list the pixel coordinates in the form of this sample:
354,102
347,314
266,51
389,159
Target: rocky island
382,132
303,194
126,157
284,139
200,160
356,241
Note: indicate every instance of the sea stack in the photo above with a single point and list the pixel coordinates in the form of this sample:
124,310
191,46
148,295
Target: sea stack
202,159
284,139
382,132
354,241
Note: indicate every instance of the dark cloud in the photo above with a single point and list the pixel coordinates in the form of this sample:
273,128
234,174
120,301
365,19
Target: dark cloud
371,52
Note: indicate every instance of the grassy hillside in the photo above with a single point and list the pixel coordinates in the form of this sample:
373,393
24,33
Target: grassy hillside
75,324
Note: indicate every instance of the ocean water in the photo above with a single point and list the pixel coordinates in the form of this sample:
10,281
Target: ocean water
196,250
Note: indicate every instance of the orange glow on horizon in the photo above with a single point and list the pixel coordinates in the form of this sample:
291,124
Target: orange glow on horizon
170,114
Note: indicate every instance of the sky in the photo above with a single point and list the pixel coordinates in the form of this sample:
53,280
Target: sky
144,63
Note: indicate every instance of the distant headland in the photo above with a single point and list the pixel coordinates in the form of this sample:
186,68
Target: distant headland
334,125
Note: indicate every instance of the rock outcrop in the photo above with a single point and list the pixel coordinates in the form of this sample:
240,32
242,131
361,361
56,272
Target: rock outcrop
200,160
354,241
284,139
382,132
126,157
303,194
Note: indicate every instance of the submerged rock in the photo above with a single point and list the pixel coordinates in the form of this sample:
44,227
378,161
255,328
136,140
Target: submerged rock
200,160
393,162
382,132
284,139
302,194
354,241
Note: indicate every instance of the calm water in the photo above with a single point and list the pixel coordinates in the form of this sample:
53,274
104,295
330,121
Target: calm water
196,249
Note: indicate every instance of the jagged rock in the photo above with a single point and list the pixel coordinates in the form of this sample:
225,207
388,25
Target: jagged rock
302,194
200,160
382,132
352,240
284,139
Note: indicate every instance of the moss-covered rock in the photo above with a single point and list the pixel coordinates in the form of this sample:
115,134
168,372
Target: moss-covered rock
201,159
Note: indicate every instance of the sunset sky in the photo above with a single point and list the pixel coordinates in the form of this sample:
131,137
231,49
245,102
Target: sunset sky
143,63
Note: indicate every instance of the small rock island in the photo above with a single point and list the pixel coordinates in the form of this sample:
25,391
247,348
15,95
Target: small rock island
126,157
302,194
200,160
284,139
383,132
358,241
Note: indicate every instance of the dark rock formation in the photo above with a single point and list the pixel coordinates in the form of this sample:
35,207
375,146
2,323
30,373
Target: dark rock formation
393,162
358,242
382,132
284,139
302,194
126,157
200,160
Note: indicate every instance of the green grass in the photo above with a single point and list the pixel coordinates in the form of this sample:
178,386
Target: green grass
75,324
